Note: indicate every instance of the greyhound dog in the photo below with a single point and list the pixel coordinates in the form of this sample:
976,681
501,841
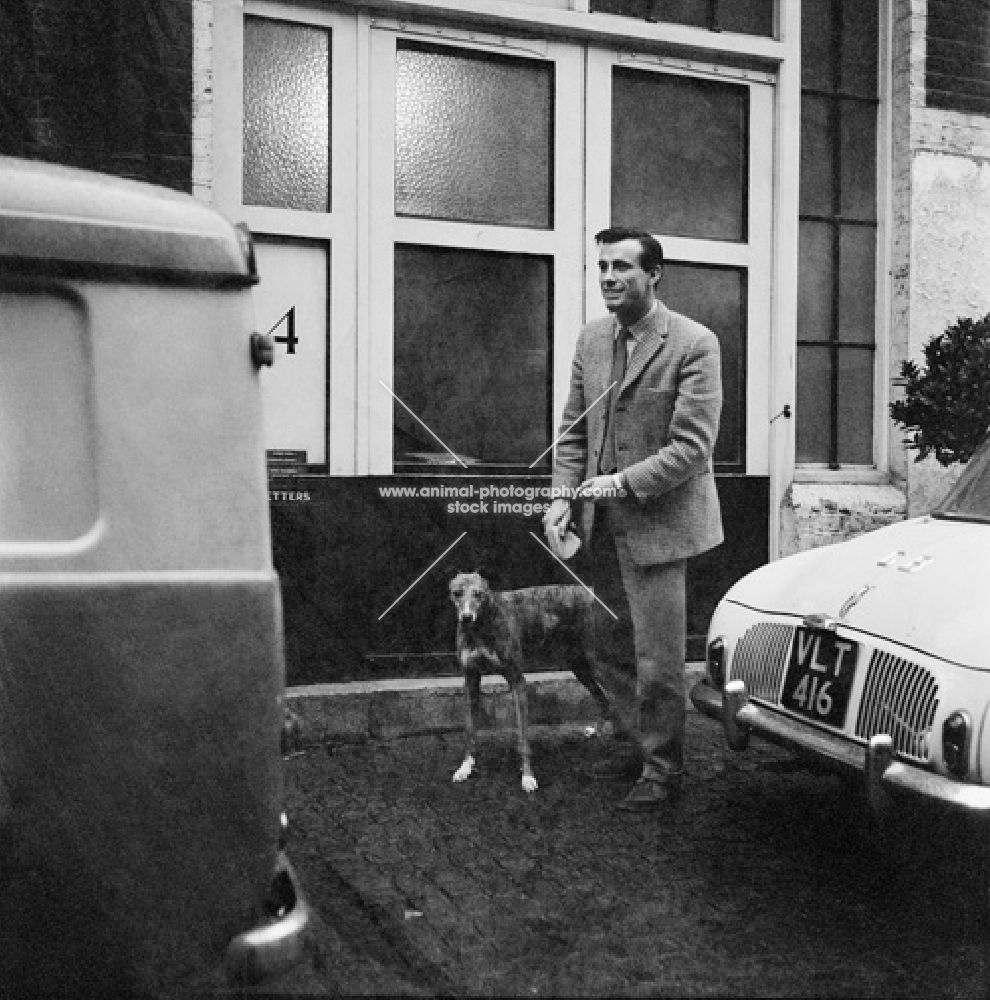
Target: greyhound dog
494,627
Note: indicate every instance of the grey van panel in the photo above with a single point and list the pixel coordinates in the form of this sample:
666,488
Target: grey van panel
139,728
65,220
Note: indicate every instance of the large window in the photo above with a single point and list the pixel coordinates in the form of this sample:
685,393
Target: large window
425,198
838,234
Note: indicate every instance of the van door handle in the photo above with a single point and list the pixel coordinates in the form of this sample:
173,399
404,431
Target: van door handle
262,350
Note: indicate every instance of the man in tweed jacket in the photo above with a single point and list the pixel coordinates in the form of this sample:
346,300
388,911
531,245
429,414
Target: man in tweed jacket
643,454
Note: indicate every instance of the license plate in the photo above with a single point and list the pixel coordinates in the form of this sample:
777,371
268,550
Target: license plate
820,676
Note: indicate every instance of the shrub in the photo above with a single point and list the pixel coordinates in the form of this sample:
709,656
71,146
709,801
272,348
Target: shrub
946,405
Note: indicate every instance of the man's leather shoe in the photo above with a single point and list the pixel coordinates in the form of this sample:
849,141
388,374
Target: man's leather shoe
648,794
618,765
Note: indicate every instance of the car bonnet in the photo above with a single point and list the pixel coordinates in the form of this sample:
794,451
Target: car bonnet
923,583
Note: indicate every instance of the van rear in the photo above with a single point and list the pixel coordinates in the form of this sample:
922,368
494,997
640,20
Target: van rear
141,665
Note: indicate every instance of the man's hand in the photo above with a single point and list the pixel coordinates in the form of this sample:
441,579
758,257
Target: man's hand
600,488
557,517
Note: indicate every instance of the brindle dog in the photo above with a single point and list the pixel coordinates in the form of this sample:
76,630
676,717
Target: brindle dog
494,628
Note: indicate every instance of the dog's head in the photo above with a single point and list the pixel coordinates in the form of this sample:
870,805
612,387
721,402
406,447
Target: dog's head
470,593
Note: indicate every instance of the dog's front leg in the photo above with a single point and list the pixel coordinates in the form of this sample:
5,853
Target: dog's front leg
521,699
472,720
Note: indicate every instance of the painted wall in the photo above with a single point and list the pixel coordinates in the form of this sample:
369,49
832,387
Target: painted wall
951,266
942,258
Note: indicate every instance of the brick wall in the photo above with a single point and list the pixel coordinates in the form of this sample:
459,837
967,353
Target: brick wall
202,100
816,514
957,60
102,84
944,177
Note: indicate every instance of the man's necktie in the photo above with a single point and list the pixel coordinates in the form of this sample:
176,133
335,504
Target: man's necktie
608,463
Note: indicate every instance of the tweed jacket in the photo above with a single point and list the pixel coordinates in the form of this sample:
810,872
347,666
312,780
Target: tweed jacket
666,422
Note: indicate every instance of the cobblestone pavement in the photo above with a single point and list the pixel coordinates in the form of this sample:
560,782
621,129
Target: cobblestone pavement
764,881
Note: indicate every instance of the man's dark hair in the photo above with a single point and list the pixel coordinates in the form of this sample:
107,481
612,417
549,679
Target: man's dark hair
650,251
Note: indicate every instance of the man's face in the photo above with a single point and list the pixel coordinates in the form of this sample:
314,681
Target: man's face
627,289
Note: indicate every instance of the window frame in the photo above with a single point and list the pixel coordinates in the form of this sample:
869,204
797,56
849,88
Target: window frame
335,230
562,243
755,254
878,470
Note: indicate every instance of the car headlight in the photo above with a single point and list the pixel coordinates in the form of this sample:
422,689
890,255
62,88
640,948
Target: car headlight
956,732
716,662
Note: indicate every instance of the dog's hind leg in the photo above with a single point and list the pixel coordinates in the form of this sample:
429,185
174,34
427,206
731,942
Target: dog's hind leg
584,670
520,698
472,719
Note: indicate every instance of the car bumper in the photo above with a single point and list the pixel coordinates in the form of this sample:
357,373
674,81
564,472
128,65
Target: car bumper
885,777
276,945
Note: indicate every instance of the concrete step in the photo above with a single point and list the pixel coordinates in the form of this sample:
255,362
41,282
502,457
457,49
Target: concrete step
383,710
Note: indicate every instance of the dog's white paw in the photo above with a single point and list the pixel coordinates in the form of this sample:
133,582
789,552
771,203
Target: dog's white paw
529,783
464,771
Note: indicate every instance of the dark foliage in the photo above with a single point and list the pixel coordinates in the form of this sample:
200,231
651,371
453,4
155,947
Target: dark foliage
946,404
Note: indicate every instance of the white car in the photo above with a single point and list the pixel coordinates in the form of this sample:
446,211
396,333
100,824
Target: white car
870,656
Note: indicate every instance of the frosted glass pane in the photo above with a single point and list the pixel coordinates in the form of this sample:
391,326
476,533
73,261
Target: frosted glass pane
679,155
473,137
472,356
716,297
813,413
286,115
855,406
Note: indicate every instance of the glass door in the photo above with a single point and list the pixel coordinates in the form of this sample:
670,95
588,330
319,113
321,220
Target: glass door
687,154
474,256
298,194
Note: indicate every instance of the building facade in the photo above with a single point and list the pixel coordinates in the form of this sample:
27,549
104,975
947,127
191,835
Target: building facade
424,180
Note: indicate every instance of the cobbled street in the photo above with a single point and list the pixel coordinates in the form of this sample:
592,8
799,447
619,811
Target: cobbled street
765,881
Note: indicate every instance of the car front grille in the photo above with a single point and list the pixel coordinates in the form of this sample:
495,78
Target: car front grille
900,699
761,659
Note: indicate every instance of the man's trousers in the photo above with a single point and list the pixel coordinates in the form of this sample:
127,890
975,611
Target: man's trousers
642,654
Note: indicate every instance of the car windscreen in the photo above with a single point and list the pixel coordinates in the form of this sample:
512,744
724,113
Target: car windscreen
969,499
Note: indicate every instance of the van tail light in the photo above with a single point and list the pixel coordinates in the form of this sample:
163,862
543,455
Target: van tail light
956,733
716,662
246,242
